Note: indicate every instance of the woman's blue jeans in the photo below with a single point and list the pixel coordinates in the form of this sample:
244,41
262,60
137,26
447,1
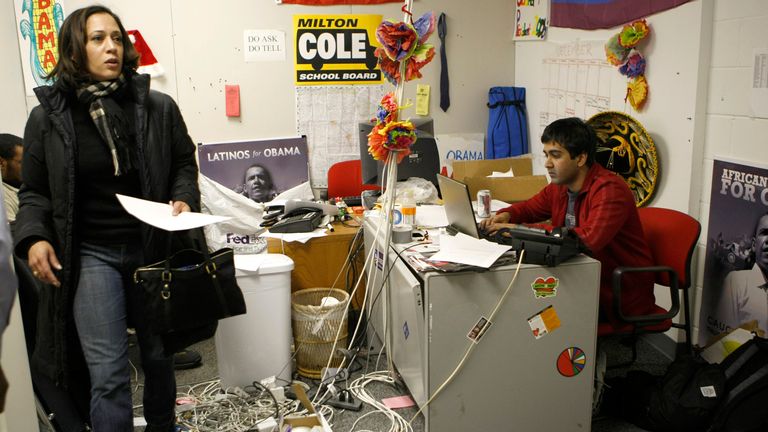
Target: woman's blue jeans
105,296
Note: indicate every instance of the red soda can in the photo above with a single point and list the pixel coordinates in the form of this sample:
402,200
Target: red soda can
484,203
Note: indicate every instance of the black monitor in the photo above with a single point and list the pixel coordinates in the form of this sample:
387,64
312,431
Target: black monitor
423,162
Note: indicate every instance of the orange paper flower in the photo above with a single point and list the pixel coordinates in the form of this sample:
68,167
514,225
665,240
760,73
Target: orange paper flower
396,136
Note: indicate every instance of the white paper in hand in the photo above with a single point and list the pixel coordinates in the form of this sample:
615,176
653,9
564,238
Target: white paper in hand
160,215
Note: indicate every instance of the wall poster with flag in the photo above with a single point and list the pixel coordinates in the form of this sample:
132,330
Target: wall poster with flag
598,14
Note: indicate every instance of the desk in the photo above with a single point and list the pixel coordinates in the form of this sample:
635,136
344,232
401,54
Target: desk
317,262
511,380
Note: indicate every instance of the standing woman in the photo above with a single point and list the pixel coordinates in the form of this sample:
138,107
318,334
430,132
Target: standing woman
99,131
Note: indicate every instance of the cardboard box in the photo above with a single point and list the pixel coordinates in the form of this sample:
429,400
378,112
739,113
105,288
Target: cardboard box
311,420
509,189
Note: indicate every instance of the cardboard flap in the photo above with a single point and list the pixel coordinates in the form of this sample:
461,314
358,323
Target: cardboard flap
509,189
521,166
302,396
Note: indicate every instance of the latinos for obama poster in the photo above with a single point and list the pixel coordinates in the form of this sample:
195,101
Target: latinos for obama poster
736,266
258,170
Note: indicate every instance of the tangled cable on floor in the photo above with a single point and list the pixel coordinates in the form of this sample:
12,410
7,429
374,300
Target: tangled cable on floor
208,407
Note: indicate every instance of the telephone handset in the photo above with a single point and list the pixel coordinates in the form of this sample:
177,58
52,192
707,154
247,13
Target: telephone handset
299,219
300,211
328,209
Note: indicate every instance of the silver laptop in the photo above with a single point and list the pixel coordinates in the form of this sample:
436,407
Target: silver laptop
458,206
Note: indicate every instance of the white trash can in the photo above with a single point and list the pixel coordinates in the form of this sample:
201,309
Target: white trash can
257,345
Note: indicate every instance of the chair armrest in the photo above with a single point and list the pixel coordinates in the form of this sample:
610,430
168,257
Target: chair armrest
673,292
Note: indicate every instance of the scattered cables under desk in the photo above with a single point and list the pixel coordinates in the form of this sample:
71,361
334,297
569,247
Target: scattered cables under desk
205,407
357,388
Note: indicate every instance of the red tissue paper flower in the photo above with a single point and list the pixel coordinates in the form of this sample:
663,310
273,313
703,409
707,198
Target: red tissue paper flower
405,42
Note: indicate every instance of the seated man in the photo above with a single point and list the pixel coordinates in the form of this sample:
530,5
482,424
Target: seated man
596,205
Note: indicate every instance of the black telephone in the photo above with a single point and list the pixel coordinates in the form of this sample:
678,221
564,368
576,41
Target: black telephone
301,219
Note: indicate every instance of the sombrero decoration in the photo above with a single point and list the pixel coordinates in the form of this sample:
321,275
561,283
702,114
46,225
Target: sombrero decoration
624,147
622,50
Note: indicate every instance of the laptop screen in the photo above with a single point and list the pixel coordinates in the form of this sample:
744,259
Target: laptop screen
458,206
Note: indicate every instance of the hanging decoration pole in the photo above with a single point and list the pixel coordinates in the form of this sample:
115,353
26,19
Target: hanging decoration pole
403,51
390,195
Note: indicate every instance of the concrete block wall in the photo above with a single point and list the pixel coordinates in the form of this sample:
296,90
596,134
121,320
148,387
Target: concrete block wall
731,130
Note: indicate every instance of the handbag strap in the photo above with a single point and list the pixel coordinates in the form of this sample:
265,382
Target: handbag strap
210,268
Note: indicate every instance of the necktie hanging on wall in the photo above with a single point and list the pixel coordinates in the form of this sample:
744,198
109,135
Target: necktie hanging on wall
445,96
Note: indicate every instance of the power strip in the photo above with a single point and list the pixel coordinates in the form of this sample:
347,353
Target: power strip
345,400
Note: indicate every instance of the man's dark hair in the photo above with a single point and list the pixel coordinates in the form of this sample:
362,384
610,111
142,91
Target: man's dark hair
574,135
71,70
8,145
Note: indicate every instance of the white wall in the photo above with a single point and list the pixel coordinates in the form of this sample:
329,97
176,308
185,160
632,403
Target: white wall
671,115
739,27
695,110
199,44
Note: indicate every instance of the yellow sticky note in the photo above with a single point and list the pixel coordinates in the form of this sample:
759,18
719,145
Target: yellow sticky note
422,99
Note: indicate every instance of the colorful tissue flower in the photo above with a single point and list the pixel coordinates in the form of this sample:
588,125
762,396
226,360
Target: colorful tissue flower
637,92
425,26
399,44
634,66
391,69
387,110
633,34
619,52
398,39
614,52
397,136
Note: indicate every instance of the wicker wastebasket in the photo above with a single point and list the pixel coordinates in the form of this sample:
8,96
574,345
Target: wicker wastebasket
315,328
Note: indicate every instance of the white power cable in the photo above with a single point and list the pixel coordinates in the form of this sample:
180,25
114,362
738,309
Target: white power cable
472,345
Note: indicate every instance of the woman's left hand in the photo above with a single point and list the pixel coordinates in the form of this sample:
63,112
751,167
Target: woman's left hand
179,207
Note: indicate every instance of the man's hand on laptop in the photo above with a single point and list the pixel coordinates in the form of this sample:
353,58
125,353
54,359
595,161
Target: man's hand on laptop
494,223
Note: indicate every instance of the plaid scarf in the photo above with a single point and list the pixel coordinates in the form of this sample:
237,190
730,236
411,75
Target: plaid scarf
110,121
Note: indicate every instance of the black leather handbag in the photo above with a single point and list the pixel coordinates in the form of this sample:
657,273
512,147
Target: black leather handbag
190,289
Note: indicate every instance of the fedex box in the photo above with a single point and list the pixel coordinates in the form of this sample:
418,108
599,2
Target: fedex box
509,189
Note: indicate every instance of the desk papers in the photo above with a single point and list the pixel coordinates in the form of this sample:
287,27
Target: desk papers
464,249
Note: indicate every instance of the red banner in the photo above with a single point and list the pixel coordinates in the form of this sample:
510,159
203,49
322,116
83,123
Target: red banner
597,14
337,2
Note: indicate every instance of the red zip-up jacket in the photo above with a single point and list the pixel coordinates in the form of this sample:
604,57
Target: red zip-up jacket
608,224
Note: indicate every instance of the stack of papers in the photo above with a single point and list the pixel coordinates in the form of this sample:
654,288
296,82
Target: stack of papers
464,249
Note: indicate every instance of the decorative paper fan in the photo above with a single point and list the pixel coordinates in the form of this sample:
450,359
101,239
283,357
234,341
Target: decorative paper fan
637,92
624,147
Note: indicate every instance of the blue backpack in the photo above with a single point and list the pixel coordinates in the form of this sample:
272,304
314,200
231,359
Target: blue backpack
507,123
